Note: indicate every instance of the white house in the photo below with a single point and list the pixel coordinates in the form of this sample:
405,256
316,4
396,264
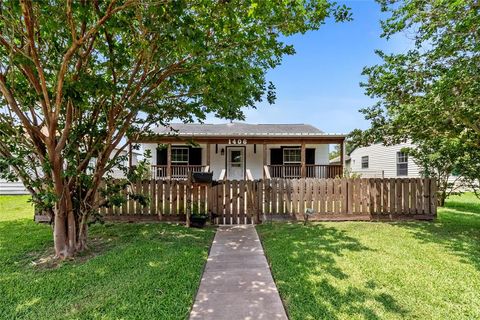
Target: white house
238,151
378,160
17,187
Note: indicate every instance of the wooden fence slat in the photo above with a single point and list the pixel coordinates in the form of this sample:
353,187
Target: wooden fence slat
406,196
301,196
235,198
385,193
294,185
393,195
420,196
159,187
203,199
281,195
241,202
399,202
273,200
378,196
349,195
426,196
329,207
228,202
413,196
146,193
433,197
174,198
220,203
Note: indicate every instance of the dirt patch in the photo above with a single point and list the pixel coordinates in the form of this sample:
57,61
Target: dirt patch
46,260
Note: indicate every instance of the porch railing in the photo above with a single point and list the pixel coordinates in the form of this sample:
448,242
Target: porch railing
294,171
177,171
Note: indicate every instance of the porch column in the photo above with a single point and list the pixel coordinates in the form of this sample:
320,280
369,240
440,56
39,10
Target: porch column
169,161
264,159
208,155
303,160
342,157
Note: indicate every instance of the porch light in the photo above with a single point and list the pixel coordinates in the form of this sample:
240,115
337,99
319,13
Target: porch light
222,152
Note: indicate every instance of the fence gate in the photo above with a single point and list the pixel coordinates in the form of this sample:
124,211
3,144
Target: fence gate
233,202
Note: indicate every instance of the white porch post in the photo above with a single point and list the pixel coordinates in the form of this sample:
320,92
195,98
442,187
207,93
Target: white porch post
264,159
208,155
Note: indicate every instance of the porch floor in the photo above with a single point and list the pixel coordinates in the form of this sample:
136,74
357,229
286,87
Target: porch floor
237,283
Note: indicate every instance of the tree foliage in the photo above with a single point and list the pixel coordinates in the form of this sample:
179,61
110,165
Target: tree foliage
79,79
430,94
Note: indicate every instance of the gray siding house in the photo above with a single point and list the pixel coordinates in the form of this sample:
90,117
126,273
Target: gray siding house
377,161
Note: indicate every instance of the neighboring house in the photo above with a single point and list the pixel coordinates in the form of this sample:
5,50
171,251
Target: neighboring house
7,187
17,187
238,151
378,161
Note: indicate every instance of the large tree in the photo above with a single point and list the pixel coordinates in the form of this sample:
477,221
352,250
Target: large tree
430,94
78,79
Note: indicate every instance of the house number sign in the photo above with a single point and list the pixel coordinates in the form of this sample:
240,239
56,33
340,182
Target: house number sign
237,141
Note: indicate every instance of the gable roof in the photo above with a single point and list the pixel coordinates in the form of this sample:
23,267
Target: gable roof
337,159
241,129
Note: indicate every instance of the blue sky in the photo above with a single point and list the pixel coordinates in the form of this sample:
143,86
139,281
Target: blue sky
319,85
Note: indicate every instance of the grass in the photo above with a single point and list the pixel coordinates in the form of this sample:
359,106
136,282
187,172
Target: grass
137,271
366,270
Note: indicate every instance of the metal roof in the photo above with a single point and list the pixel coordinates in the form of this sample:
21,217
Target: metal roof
243,129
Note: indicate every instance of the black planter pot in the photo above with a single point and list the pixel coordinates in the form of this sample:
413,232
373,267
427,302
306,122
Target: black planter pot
198,221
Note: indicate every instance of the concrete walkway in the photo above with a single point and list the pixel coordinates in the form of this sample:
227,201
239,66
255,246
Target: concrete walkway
237,283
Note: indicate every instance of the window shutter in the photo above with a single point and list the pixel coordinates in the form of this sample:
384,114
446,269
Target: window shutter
195,157
162,156
310,156
276,156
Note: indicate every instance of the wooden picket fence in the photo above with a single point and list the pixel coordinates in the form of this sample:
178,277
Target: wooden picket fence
245,202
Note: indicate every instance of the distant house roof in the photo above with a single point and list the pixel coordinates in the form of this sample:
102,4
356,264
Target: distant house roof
337,159
242,129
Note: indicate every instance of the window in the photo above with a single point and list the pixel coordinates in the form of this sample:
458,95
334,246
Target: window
365,162
292,155
180,155
402,164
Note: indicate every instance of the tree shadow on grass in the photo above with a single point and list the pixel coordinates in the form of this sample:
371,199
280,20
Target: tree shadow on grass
456,231
149,271
463,206
303,261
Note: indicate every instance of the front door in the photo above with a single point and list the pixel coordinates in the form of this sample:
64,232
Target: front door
235,163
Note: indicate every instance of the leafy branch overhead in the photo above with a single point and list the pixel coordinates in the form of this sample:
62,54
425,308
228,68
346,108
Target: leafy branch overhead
79,79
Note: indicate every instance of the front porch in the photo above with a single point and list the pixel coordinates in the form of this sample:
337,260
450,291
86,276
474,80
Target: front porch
244,159
181,172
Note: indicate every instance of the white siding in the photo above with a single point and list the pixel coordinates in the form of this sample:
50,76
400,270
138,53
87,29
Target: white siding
382,161
12,188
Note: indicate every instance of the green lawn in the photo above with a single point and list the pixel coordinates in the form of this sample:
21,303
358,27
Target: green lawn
138,271
363,270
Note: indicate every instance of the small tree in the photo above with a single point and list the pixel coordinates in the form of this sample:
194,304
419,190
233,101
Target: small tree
78,79
429,94
440,159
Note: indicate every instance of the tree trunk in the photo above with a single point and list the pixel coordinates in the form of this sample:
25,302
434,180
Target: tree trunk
69,234
442,198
